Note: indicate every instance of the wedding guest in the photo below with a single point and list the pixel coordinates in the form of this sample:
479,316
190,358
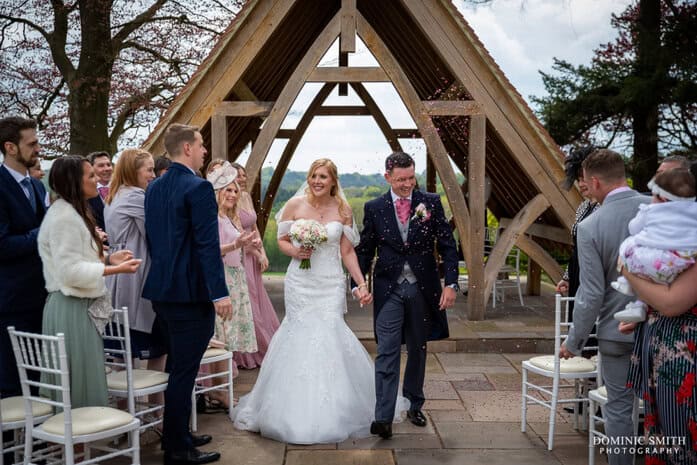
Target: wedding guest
124,216
237,333
74,266
255,263
186,282
101,163
161,165
23,204
36,171
574,174
663,367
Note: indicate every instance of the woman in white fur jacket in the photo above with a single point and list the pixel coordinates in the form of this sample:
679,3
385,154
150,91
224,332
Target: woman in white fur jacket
74,266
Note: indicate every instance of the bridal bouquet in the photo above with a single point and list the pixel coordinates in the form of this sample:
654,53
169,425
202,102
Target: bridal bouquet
310,234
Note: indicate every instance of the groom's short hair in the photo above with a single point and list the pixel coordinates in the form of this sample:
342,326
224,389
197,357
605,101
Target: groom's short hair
399,160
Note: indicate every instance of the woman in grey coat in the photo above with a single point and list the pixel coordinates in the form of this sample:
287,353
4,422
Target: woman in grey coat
124,216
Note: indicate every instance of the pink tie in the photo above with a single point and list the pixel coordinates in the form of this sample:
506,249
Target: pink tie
403,207
103,191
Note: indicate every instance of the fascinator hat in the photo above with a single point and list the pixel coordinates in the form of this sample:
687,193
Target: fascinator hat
222,176
572,164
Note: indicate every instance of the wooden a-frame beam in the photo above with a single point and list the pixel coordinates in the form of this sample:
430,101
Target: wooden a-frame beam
428,131
453,107
525,217
243,108
288,95
544,231
532,152
343,74
287,154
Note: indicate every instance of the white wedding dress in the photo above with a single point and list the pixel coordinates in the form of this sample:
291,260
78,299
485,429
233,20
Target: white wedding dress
317,381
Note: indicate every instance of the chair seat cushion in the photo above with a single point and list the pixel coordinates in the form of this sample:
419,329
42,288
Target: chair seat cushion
141,379
13,409
89,420
572,365
601,391
214,352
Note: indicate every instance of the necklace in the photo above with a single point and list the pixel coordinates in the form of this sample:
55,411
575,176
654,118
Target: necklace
319,209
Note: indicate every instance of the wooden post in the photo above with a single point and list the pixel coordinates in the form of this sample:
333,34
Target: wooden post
476,162
533,285
430,174
219,146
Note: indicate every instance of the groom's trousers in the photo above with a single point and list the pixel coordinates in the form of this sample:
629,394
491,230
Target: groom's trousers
405,312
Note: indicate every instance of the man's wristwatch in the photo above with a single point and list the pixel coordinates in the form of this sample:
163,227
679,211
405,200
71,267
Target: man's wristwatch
454,286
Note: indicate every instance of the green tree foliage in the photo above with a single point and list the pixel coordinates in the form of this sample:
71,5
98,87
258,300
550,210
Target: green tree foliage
640,90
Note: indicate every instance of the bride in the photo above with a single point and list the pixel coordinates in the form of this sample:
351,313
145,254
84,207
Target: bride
316,384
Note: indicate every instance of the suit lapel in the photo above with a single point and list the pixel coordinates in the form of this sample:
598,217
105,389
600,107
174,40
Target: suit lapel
416,198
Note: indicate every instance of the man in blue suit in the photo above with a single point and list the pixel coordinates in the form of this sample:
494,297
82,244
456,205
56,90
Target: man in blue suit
186,283
23,203
402,227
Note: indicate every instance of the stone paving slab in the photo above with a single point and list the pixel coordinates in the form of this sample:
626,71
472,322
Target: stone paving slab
501,406
475,457
398,441
344,457
475,363
486,435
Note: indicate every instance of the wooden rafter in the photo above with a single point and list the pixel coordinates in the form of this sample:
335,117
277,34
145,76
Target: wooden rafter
287,97
288,152
428,131
525,217
544,231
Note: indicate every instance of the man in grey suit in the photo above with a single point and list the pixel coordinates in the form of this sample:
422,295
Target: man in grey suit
599,238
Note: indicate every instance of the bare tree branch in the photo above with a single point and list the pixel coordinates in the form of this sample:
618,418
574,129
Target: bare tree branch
137,22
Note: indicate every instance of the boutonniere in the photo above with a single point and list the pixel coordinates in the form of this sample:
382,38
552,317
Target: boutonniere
421,213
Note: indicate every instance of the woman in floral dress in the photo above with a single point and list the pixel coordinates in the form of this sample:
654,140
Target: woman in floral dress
664,366
236,334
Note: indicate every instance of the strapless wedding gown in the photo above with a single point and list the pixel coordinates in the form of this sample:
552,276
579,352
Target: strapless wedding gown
317,383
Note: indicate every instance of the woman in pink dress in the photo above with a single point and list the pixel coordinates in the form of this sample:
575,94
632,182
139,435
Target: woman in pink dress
255,263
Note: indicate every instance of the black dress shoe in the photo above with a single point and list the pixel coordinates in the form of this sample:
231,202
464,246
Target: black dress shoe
196,440
382,429
190,457
201,440
416,417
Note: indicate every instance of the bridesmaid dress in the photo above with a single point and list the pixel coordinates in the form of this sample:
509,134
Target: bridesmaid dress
265,320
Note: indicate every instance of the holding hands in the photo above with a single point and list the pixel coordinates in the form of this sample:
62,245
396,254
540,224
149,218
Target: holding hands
361,293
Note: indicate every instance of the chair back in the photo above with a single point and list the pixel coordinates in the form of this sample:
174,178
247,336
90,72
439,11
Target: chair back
44,355
117,349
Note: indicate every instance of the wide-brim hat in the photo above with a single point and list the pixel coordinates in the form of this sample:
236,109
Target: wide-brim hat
222,176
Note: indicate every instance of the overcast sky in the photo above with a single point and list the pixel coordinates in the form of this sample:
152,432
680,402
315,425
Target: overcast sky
523,36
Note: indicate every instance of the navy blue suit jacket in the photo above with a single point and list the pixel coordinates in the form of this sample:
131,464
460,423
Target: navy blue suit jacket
181,226
97,206
381,235
22,287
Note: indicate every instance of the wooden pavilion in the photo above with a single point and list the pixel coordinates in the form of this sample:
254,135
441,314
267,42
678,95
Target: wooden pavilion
465,110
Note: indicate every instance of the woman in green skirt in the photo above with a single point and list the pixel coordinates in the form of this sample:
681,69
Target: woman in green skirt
74,265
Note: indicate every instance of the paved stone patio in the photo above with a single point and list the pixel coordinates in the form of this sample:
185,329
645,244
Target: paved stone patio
473,404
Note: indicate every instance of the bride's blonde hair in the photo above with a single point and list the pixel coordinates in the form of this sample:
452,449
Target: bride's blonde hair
344,208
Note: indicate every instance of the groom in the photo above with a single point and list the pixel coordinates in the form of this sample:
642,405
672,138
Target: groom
402,227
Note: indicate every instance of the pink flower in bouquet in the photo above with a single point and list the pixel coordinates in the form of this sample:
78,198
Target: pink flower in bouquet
310,234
